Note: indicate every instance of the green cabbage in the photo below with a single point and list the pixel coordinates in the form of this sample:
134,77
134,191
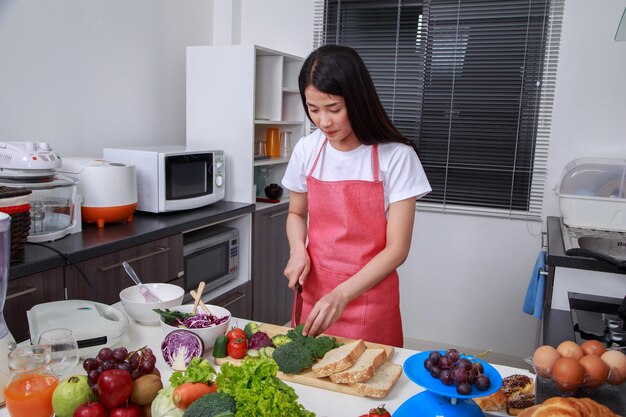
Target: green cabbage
163,404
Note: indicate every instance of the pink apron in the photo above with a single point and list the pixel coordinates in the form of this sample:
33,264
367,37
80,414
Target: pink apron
347,228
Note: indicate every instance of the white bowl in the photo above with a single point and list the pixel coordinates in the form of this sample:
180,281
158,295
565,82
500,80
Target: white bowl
207,334
141,311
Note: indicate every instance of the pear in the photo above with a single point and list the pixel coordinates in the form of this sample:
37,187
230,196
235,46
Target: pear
69,394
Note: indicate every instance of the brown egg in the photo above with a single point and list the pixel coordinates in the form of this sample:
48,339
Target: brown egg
568,374
616,361
569,349
543,360
593,347
596,371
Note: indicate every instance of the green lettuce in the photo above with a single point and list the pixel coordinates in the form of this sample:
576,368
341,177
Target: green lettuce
258,391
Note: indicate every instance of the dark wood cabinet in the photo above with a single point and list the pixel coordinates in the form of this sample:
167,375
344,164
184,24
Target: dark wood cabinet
237,301
271,297
101,279
26,292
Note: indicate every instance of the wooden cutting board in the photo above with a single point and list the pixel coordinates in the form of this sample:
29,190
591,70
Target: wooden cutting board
306,377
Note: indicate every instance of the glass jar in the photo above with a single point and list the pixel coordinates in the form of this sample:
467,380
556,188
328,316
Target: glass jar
30,387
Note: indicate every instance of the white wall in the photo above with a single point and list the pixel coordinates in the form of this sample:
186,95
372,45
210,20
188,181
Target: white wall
84,75
87,74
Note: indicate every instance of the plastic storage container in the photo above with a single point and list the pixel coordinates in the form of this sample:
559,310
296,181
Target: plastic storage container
592,194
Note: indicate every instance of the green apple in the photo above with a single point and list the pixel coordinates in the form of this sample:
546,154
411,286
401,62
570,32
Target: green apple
69,394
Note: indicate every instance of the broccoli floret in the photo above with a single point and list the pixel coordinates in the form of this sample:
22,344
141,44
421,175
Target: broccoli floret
280,339
250,329
318,346
212,405
292,358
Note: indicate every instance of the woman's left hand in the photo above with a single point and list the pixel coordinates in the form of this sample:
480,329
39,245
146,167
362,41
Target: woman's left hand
325,312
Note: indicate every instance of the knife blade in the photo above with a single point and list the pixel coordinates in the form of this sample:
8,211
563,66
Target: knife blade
296,310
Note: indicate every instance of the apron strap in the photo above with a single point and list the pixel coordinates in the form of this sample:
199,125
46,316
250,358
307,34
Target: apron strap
375,164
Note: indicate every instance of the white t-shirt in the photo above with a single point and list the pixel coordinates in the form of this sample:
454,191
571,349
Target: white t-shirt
401,171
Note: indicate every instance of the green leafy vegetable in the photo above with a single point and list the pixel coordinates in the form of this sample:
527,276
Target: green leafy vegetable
163,404
257,390
250,329
318,346
171,316
293,358
198,370
215,404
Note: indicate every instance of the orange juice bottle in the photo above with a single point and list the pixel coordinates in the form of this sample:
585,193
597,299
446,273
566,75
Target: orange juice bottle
29,391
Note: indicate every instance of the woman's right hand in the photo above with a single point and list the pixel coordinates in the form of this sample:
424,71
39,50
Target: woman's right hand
298,267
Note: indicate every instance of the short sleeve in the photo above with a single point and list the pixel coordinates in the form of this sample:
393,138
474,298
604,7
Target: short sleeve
404,175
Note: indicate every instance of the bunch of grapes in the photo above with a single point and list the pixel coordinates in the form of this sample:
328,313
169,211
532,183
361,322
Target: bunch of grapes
451,368
138,363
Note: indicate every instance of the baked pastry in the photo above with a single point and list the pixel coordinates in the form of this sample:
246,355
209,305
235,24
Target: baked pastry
519,402
493,402
517,384
568,407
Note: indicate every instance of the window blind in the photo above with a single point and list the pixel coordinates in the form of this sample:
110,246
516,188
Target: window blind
471,82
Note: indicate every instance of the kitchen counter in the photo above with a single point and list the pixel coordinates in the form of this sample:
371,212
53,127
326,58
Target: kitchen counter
322,402
93,241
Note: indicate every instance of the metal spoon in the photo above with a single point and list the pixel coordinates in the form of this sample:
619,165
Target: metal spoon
147,295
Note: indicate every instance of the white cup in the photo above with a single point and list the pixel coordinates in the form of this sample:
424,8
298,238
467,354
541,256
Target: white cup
285,144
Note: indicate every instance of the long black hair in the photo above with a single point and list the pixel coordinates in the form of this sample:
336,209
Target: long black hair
340,71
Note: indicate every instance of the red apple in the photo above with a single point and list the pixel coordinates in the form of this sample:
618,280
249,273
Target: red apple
114,387
90,409
129,410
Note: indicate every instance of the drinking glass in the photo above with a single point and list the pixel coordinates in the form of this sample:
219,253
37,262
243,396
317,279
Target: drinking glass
272,143
64,350
285,144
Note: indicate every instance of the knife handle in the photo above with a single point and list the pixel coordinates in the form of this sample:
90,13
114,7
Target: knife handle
298,287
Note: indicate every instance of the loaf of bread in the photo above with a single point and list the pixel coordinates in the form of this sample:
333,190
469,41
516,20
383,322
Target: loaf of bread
381,383
339,359
568,407
519,402
363,369
517,384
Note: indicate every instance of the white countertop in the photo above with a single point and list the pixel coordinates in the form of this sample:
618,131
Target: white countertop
323,402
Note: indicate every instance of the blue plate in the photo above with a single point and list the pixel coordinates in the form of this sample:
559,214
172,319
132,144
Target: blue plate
415,371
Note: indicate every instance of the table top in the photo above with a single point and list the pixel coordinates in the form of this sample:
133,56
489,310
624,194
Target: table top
323,403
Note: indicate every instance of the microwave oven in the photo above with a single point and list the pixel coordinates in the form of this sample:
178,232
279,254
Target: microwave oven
210,255
171,178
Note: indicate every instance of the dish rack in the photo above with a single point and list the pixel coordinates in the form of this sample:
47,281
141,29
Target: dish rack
16,203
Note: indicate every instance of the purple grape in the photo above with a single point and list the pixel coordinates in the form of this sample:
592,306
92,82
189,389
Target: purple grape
483,382
464,388
446,377
464,363
105,354
473,374
460,375
125,366
479,367
119,355
90,364
92,377
434,357
435,371
446,363
146,367
428,364
135,374
453,354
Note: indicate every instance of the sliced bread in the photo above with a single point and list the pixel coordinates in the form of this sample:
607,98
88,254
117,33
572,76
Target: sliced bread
339,359
381,383
363,369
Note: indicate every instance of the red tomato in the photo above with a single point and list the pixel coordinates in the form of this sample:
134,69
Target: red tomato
379,411
235,333
237,348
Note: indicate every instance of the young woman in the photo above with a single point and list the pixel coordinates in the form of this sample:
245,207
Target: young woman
353,185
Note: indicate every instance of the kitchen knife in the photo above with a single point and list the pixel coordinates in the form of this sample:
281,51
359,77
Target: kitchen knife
296,311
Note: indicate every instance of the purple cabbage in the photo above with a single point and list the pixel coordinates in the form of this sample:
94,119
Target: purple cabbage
179,347
259,340
201,321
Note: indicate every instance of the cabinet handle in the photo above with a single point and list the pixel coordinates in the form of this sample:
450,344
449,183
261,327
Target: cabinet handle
278,213
138,258
234,300
21,291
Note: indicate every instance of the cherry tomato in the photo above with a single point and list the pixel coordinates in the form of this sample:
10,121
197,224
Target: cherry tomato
237,348
235,333
379,411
